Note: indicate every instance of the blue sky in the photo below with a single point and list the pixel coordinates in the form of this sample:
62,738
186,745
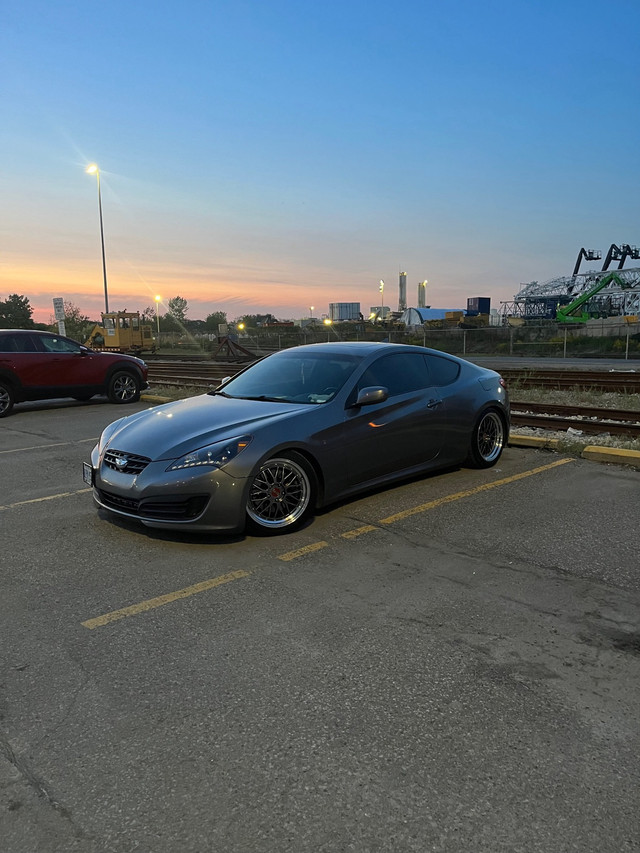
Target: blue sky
275,155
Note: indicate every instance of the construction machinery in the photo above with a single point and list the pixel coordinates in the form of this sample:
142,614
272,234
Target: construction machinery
121,331
567,313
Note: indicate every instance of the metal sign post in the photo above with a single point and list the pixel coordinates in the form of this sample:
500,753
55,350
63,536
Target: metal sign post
58,311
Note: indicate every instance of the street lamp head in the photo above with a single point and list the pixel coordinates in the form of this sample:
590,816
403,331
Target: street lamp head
92,169
158,298
327,321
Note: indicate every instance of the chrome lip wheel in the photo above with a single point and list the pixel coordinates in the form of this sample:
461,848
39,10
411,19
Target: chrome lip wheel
279,494
490,436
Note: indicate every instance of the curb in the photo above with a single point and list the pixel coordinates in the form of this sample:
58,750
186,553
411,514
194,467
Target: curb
594,452
153,398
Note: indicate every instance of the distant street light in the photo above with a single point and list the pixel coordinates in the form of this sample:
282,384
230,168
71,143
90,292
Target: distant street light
158,301
328,323
311,309
93,169
382,299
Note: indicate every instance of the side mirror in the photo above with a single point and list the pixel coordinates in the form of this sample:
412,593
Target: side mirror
369,396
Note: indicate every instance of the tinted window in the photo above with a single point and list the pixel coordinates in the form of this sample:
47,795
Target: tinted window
400,373
53,344
299,377
443,371
17,343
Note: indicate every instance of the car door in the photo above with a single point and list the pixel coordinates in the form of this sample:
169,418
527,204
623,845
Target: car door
65,364
405,431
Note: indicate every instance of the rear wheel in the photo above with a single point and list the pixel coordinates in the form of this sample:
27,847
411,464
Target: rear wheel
7,398
487,441
281,493
124,387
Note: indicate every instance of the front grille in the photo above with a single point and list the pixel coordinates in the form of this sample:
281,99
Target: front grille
160,509
134,463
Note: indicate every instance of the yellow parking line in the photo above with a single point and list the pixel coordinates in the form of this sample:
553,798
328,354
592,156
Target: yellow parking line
308,549
358,531
48,446
188,591
161,600
47,498
398,516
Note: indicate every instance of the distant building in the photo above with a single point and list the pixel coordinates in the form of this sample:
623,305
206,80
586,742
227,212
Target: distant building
341,311
402,292
418,316
478,305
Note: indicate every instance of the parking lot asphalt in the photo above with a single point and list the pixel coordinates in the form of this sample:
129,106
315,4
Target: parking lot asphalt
449,664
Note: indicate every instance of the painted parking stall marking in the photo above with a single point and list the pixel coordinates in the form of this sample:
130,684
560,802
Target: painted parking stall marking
300,552
289,556
485,487
46,498
161,600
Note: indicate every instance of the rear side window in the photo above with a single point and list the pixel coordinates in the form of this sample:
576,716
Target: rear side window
400,373
443,371
17,343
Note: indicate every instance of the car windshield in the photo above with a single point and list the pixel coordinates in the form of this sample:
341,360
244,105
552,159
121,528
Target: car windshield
291,377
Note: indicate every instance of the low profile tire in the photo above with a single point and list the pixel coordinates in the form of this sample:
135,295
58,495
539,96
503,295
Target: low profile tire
7,399
281,494
488,440
124,387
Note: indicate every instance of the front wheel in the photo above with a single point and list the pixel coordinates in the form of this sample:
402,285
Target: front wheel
6,399
487,440
124,387
281,493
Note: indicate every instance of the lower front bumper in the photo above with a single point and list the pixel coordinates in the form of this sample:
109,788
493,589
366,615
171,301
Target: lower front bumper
212,501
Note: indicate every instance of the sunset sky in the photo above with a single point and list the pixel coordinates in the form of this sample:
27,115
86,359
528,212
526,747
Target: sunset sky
270,155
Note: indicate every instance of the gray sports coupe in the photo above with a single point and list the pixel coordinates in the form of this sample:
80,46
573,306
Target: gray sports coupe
295,431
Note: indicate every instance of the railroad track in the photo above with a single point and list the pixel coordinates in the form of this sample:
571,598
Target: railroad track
587,419
593,421
596,380
202,373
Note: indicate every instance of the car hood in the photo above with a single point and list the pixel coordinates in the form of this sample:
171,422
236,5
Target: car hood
171,430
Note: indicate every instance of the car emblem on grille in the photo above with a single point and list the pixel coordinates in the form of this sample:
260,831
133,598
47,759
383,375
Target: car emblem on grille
121,461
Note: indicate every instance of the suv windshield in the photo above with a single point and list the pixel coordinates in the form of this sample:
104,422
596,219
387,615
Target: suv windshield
291,377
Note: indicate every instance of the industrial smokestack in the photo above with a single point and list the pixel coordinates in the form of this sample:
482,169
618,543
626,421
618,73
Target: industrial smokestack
402,292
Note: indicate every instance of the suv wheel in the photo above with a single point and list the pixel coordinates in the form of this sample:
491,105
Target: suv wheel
6,398
124,387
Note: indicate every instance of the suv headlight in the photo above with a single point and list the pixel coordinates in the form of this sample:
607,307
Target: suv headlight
212,455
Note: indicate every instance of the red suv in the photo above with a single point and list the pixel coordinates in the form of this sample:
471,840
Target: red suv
41,366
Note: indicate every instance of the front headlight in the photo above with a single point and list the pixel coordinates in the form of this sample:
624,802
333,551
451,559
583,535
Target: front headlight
213,455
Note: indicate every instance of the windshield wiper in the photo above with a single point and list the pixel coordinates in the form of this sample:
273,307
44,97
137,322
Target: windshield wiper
265,399
220,394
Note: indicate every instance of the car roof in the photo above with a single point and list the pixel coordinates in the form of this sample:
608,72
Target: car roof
27,332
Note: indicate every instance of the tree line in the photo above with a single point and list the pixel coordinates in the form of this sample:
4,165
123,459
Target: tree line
16,313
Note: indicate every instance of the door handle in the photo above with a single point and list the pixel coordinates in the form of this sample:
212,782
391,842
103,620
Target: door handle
433,403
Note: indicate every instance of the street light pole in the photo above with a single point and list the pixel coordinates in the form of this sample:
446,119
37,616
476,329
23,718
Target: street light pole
94,170
158,300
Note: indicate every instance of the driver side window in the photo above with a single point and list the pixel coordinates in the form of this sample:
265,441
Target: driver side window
400,373
59,345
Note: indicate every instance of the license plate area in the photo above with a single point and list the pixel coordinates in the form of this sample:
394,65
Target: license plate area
87,473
